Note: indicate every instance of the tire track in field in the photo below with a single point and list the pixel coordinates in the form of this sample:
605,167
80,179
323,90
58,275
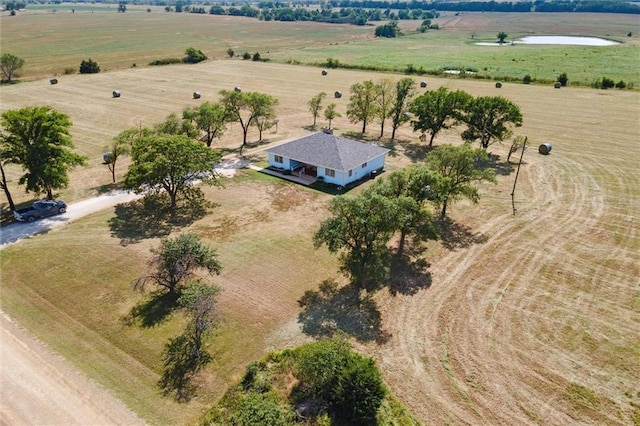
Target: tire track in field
471,357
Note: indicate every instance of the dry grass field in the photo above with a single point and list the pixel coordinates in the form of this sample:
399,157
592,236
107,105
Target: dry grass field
529,318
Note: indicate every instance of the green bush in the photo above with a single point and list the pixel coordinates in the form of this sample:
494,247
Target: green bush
89,67
527,79
193,56
261,409
166,61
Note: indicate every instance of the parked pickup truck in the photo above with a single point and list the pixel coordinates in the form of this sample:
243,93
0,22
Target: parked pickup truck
40,209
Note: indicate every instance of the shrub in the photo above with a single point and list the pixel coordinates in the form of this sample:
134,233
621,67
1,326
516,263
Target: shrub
246,56
527,79
193,56
332,63
260,409
166,61
620,85
230,52
256,57
69,70
89,67
563,79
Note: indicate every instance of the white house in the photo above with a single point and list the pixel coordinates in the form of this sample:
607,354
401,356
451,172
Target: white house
327,157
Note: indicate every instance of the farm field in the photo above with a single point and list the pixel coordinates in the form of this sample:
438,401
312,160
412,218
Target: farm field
529,318
137,37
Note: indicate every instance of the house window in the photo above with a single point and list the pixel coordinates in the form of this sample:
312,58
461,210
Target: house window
277,158
364,165
330,172
350,173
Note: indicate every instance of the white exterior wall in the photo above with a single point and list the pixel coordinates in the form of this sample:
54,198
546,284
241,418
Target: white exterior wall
359,172
284,165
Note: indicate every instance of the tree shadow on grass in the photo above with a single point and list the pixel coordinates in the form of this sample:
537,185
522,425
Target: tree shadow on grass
331,309
180,368
153,310
416,151
407,276
455,235
151,217
503,168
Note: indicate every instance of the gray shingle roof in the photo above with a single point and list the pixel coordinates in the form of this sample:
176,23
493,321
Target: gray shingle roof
329,151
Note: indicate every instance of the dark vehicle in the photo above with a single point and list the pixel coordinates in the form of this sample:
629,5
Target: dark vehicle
40,209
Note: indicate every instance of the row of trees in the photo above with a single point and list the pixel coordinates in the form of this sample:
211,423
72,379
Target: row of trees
361,227
488,119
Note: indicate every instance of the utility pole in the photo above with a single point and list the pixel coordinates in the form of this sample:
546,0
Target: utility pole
513,191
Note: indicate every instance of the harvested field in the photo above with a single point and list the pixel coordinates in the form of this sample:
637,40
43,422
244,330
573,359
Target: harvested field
528,319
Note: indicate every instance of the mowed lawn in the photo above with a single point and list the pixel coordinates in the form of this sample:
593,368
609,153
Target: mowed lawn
542,298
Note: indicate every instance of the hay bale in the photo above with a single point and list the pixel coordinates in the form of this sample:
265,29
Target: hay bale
557,85
423,83
237,89
324,72
116,93
106,158
545,148
196,95
53,81
498,84
338,94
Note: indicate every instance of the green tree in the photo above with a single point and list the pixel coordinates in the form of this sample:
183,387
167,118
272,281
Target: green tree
39,140
410,189
89,67
389,30
194,56
460,168
169,163
177,260
384,101
245,107
330,113
436,110
230,52
501,36
359,230
173,125
10,65
405,90
362,105
489,119
209,118
260,409
199,302
315,105
120,145
122,7
563,79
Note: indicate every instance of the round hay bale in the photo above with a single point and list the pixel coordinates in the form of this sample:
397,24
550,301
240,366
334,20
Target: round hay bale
116,93
557,85
498,84
338,94
53,81
106,158
324,72
237,89
423,83
545,148
196,95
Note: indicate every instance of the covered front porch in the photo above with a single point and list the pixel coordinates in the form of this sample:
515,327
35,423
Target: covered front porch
297,177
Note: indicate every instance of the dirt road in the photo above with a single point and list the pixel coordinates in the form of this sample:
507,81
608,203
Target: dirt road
57,394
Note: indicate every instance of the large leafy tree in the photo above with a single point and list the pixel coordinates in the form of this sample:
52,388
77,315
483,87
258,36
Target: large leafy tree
177,260
436,110
490,119
169,163
410,189
210,119
405,90
461,168
39,140
359,230
119,146
362,105
10,65
245,107
384,101
315,105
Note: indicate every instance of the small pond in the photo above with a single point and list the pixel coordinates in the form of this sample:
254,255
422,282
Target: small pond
566,40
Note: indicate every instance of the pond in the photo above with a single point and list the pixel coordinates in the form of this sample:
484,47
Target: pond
565,40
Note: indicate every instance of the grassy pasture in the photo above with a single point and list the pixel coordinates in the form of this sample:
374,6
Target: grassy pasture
528,319
549,295
117,41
